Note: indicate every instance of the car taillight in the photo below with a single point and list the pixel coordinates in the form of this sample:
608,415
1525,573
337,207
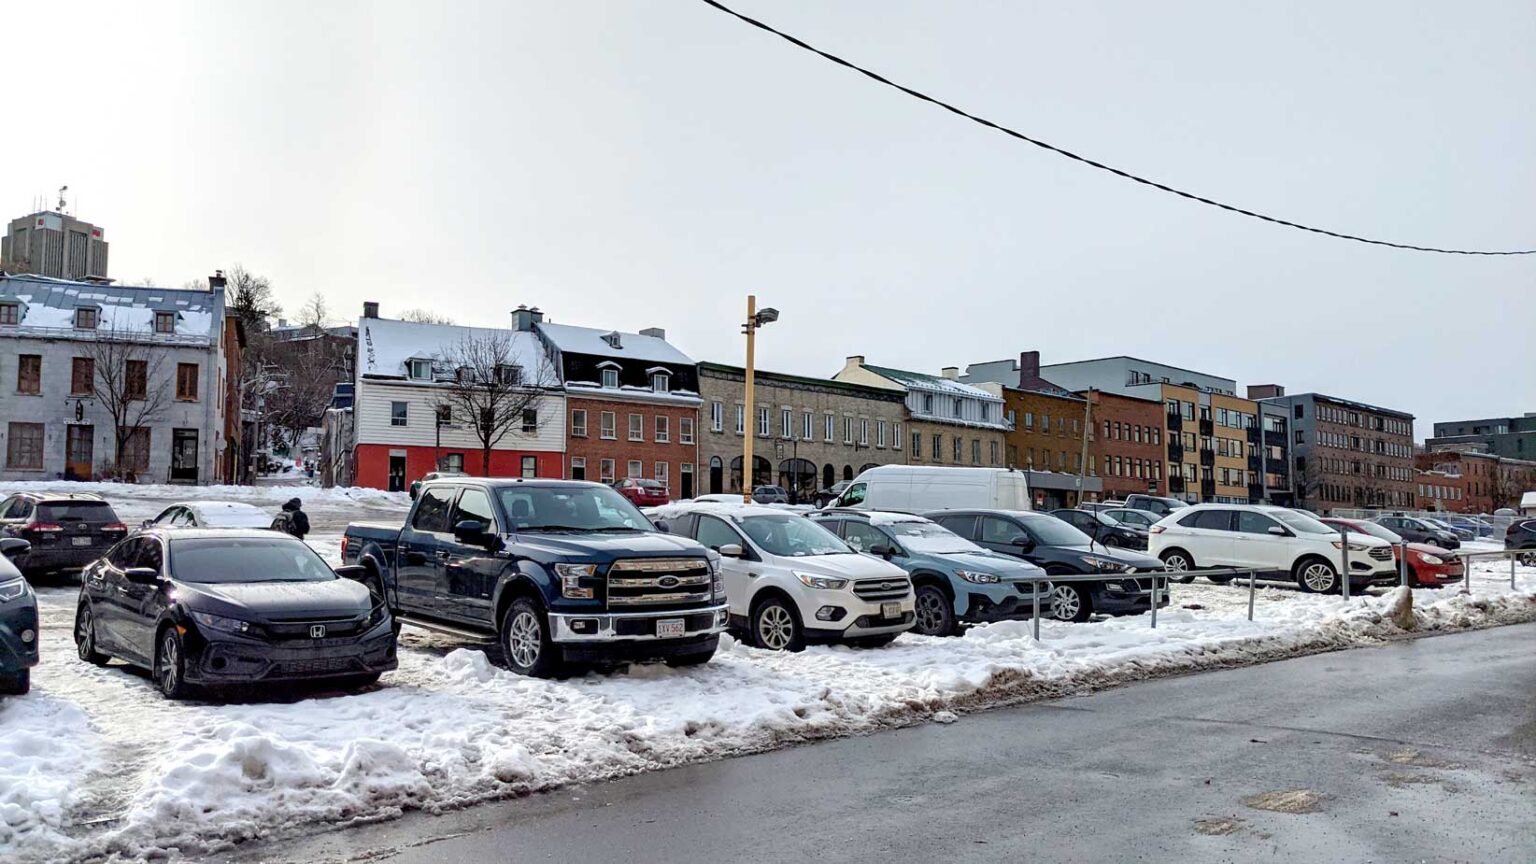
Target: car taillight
343,547
1155,529
115,527
45,528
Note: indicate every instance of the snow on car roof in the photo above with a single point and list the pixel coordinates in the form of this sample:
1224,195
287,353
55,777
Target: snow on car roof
881,517
735,510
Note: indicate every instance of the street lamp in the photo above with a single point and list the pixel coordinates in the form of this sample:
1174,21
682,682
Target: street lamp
755,319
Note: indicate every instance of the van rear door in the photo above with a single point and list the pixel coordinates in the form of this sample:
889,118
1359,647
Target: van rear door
1012,492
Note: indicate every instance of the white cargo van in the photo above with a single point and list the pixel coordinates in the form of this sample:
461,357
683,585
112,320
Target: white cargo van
918,488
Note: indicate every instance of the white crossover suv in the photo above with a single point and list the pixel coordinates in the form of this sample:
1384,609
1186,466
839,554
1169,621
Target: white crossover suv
1277,542
789,581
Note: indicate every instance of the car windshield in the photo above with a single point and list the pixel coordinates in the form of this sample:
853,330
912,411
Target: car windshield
1303,523
930,538
1438,524
1371,528
222,560
75,511
570,508
1051,531
1134,518
791,536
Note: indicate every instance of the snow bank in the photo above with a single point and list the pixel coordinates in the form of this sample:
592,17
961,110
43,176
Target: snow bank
274,495
450,728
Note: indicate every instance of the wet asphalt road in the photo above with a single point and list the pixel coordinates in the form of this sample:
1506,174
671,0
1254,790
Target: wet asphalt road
1423,750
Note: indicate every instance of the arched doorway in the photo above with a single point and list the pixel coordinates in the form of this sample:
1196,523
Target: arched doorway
828,476
762,473
847,472
798,477
716,475
867,466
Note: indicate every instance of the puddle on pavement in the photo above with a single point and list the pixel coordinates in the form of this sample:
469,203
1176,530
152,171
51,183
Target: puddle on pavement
1287,801
1218,826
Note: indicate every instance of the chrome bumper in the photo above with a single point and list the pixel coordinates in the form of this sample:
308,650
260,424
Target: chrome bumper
639,626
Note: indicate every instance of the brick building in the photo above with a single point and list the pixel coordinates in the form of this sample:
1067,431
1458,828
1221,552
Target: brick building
1490,481
632,403
810,432
1348,454
1127,445
1443,492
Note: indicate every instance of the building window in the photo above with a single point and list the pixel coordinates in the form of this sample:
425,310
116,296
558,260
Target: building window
1045,424
86,318
530,466
24,446
530,421
717,416
917,445
685,430
986,411
959,408
938,448
186,382
662,469
663,429
611,378
636,428
136,379
993,448
808,427
787,424
764,423
29,373
959,449
741,419
635,470
927,403
661,382
579,423
1301,437
165,322
578,468
864,432
880,434
829,428
508,375
398,413
82,377
605,470
1029,420
421,370
10,313
975,451
135,448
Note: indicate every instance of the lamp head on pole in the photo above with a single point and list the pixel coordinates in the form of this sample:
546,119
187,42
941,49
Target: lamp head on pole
766,315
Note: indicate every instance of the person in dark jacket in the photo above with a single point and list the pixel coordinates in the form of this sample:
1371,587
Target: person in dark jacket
293,520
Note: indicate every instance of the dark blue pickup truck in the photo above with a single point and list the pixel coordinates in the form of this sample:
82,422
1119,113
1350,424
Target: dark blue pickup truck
562,572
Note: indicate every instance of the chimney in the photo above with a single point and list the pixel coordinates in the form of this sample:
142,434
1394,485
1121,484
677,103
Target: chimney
371,309
1265,391
950,373
855,361
655,333
523,318
1029,368
217,280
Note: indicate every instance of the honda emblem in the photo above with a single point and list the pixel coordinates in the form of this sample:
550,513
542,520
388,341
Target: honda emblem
317,631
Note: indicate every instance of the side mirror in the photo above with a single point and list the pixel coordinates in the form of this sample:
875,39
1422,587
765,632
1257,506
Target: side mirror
142,575
885,552
146,523
14,547
355,572
1024,543
730,550
1278,531
470,531
414,490
662,526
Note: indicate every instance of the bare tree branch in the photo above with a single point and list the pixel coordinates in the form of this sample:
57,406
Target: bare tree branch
425,316
314,317
129,380
487,390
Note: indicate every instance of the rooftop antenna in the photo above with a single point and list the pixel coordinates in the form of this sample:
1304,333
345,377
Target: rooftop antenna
62,190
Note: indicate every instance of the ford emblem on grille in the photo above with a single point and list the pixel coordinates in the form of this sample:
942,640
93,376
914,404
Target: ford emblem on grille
889,586
667,581
317,631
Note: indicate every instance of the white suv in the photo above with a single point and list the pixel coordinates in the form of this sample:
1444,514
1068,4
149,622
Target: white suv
1272,540
789,581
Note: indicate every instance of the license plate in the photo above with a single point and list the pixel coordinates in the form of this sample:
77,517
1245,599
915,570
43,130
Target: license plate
81,541
671,627
890,610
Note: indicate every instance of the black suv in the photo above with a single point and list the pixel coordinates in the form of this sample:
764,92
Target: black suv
67,530
1059,548
1154,504
1104,530
1418,531
1521,535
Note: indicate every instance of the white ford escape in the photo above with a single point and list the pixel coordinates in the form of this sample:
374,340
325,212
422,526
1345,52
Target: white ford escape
1272,540
789,581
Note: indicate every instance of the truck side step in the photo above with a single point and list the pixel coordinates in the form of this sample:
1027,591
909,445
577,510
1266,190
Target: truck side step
446,629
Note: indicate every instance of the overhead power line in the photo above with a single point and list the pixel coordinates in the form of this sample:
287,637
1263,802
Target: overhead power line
917,94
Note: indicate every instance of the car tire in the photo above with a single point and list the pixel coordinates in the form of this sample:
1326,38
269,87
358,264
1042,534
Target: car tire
525,642
85,637
1070,602
359,682
1220,580
170,668
1176,560
934,612
1527,560
1317,576
16,685
874,641
776,626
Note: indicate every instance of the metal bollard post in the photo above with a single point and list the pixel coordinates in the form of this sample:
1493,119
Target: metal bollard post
1344,587
1402,563
1154,600
1512,557
1251,574
1466,576
1037,611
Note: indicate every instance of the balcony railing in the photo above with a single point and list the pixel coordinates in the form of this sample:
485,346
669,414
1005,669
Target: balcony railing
1207,456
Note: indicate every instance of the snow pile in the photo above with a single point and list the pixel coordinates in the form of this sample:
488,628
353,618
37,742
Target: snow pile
267,495
450,728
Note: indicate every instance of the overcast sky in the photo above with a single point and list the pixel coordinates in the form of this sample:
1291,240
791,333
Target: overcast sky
649,163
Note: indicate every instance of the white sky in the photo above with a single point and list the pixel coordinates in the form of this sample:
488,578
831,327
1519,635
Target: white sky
649,163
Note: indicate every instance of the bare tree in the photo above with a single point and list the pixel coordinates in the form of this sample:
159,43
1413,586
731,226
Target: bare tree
127,374
1309,477
490,390
314,317
145,282
296,401
425,316
199,284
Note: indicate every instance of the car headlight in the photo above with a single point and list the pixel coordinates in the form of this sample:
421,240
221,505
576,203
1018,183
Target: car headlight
1109,564
827,583
376,615
220,623
570,580
1353,547
1432,560
12,589
979,578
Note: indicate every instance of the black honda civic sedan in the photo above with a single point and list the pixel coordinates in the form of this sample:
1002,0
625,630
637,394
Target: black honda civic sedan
215,607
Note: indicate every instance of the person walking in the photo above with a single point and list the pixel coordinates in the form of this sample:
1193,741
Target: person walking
293,520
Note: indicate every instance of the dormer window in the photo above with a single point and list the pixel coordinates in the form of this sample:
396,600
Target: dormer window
986,411
464,375
10,313
959,408
165,322
421,370
508,374
927,403
86,318
661,381
610,376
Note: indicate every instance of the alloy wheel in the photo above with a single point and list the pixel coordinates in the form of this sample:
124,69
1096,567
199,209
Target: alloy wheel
524,639
1319,577
85,635
170,663
930,612
775,627
1065,603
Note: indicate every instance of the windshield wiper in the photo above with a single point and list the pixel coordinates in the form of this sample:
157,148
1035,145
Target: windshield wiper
579,529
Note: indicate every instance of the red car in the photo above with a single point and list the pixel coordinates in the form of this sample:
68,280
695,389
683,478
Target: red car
643,493
1428,566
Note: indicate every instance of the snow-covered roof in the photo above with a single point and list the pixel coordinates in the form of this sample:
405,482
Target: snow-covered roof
1528,501
50,304
384,345
934,383
570,339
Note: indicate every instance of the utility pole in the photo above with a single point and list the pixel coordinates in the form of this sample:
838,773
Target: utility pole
755,319
1082,467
